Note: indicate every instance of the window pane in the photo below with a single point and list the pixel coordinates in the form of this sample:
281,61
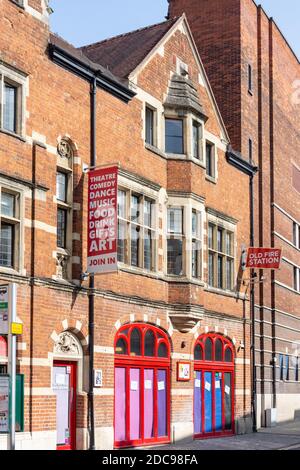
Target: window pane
218,350
211,276
228,243
194,224
135,213
220,240
9,107
211,236
198,353
220,272
228,355
148,213
121,240
149,344
195,258
61,186
175,220
210,171
229,274
7,205
174,136
135,343
6,245
122,204
175,257
162,350
134,245
149,126
61,228
148,250
196,140
208,350
121,346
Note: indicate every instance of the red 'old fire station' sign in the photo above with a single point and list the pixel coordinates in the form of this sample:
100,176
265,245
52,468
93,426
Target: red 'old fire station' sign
102,220
264,258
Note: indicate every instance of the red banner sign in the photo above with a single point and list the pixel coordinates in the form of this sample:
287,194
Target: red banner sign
102,220
264,258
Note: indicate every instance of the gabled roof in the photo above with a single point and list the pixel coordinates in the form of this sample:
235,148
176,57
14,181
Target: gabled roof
122,54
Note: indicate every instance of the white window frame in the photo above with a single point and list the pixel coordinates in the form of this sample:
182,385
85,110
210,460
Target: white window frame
155,125
227,227
18,81
201,142
19,221
296,235
296,276
198,239
65,165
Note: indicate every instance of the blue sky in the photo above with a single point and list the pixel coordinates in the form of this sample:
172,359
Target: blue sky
84,21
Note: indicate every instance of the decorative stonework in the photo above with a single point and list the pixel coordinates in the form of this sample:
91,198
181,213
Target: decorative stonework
64,149
67,344
62,265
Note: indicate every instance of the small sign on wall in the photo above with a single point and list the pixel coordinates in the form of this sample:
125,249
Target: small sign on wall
183,371
98,378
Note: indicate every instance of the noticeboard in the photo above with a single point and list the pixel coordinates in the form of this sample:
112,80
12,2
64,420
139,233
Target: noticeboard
4,403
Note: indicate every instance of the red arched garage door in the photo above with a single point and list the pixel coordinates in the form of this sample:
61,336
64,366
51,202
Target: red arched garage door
142,386
213,387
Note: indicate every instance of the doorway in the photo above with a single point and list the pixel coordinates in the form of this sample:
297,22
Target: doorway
142,386
213,387
65,389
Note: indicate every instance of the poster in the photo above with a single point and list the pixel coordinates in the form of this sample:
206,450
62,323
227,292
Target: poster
4,404
102,220
183,371
3,310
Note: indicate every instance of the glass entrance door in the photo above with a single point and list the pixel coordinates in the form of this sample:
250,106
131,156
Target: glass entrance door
141,406
64,387
213,403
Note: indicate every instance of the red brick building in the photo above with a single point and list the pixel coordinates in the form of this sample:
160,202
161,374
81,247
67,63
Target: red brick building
177,307
254,75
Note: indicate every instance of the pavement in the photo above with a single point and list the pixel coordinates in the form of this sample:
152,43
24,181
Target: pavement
284,436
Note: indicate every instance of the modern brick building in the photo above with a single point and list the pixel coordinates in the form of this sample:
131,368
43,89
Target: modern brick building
172,326
254,75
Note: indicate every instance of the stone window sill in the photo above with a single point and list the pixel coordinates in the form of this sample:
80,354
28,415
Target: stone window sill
13,134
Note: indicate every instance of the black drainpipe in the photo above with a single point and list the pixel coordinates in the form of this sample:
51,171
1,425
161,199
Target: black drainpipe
93,160
252,309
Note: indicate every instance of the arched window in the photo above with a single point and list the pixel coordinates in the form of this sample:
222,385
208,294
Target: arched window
216,348
140,340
